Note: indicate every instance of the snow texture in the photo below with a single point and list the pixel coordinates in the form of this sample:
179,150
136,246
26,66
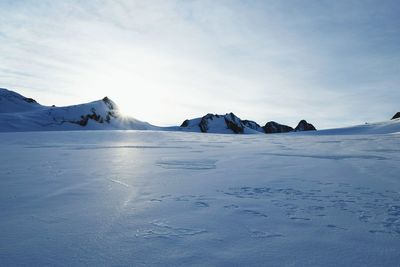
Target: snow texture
384,127
151,198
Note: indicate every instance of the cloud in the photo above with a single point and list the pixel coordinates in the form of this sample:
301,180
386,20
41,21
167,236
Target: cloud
333,63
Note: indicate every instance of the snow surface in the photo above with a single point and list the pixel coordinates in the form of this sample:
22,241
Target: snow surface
384,127
13,102
148,198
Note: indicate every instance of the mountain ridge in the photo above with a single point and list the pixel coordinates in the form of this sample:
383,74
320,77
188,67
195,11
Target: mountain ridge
20,113
230,123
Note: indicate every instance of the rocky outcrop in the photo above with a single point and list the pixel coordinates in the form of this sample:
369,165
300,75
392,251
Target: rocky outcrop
94,116
304,126
185,123
274,127
253,125
396,116
112,112
204,122
29,100
234,123
230,123
216,123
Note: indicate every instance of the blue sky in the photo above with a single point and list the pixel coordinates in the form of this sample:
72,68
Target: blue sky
334,63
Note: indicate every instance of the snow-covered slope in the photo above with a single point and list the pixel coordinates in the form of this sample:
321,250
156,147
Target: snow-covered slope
13,102
18,113
116,198
385,127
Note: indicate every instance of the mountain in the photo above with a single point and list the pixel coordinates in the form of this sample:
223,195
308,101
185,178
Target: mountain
274,127
19,113
214,123
230,123
304,126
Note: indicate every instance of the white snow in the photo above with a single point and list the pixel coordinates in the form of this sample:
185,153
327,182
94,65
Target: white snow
13,102
150,198
384,127
16,114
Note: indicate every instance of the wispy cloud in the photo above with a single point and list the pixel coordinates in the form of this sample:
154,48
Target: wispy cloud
331,62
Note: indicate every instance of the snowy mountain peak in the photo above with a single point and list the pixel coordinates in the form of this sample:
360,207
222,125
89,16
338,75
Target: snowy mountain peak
215,123
19,113
110,104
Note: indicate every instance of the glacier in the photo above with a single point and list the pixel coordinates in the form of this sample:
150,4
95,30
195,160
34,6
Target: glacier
159,198
83,185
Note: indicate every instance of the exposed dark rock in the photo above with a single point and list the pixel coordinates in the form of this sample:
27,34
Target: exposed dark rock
29,100
185,123
274,127
83,121
112,106
94,116
204,122
203,125
396,116
235,127
304,126
234,123
210,116
110,114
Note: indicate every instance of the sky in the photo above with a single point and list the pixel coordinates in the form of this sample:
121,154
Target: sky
333,63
